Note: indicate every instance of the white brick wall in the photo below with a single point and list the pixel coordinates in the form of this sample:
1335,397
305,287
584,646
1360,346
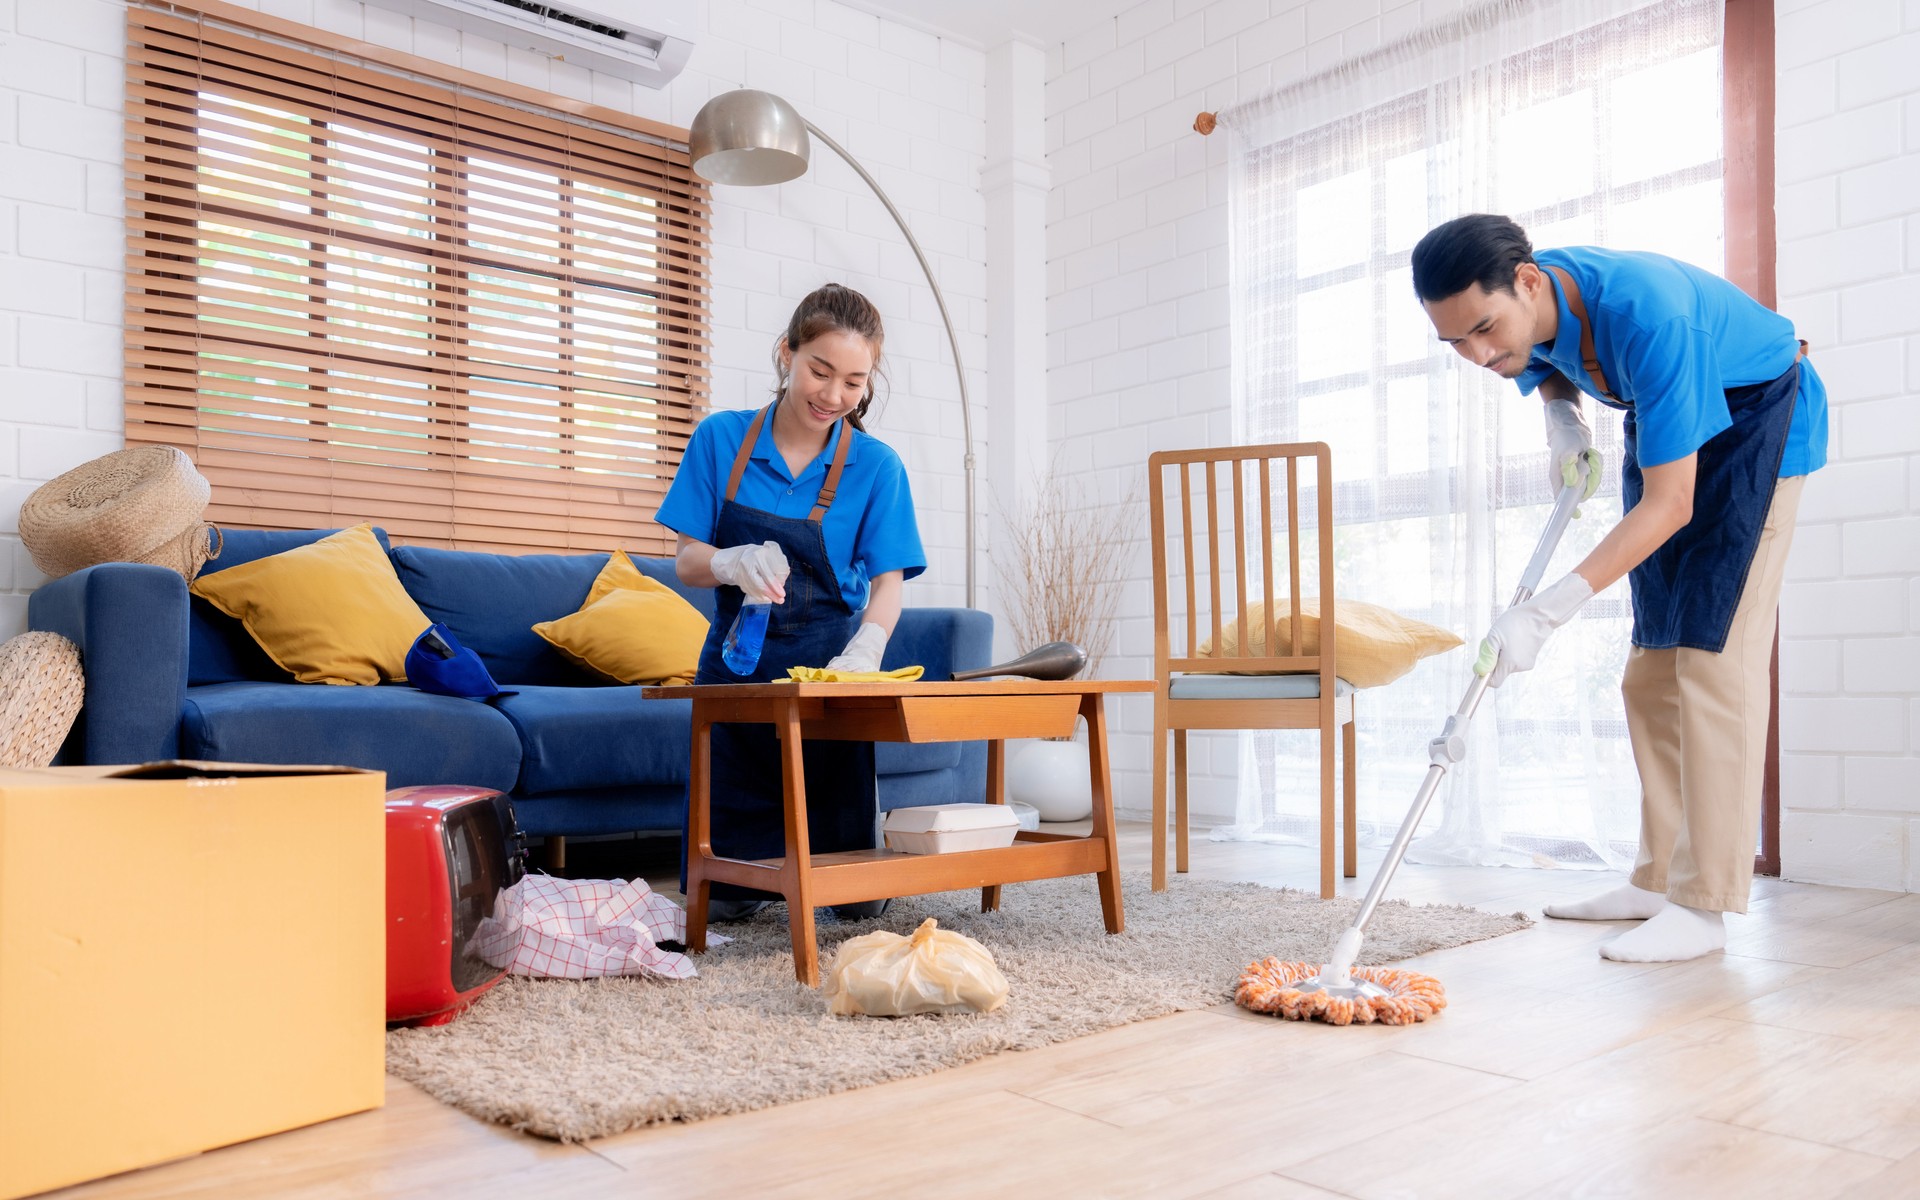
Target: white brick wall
911,106
1849,171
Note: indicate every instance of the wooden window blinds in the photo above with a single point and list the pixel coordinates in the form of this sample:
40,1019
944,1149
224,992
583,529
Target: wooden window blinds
357,291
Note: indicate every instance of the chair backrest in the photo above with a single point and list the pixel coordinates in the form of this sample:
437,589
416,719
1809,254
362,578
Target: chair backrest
1205,559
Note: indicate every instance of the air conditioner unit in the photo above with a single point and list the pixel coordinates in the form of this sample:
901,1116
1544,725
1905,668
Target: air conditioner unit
646,41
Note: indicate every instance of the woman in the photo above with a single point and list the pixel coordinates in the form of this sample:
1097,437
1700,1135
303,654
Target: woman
797,505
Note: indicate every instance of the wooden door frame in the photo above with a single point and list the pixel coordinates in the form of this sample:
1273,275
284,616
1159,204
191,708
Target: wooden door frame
1752,250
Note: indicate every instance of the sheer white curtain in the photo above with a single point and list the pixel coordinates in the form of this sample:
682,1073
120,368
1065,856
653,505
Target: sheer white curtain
1590,122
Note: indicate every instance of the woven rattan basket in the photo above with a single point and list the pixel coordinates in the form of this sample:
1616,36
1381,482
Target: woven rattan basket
41,687
143,504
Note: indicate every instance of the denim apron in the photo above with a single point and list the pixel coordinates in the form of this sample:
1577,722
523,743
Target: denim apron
1686,591
812,625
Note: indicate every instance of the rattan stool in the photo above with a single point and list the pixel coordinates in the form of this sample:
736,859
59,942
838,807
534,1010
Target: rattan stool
142,504
41,686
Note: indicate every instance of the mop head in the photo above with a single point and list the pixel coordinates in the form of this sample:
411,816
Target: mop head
1272,986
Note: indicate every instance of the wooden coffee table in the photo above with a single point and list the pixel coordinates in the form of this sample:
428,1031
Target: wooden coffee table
989,710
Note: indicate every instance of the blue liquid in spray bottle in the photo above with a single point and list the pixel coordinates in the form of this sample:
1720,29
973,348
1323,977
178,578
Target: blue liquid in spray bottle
740,650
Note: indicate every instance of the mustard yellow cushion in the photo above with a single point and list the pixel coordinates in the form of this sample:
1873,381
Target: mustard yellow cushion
621,573
1372,645
329,612
632,629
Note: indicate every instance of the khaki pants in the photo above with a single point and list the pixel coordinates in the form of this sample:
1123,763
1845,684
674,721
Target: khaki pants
1698,722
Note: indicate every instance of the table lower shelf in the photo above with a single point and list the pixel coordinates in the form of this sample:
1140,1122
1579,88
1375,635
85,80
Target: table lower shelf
849,876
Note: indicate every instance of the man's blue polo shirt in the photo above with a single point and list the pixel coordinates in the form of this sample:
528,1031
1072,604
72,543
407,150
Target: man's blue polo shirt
870,528
1672,339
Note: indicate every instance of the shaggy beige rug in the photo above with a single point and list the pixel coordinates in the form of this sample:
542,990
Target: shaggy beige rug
578,1060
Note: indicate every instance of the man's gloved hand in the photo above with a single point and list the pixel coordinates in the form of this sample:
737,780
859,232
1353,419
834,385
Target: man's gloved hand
1569,440
759,571
863,652
1514,642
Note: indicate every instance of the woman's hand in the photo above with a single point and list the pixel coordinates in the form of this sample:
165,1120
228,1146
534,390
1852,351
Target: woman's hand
863,652
760,571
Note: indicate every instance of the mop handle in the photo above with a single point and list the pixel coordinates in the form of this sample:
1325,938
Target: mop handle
1450,746
1563,508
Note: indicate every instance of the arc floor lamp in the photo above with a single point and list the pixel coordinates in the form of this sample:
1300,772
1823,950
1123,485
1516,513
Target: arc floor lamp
751,138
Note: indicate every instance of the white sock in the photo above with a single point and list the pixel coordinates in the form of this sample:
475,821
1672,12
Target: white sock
1624,903
1674,934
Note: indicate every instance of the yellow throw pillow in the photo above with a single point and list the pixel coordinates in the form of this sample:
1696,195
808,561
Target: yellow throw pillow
619,573
332,611
632,629
1372,645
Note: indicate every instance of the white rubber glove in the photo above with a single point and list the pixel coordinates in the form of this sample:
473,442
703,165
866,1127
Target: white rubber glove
759,571
863,652
1569,439
1514,642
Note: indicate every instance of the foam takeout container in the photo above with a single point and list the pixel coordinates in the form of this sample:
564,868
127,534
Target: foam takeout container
939,828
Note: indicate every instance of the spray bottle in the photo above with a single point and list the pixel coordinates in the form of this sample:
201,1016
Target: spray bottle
747,636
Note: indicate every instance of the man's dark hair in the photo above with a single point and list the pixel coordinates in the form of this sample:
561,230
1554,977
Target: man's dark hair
1477,248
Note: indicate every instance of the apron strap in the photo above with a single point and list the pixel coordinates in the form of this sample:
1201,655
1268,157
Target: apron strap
827,489
746,451
1588,358
832,484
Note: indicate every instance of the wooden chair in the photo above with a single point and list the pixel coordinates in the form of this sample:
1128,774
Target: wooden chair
1292,690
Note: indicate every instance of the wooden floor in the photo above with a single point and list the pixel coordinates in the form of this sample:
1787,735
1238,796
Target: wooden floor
1789,1066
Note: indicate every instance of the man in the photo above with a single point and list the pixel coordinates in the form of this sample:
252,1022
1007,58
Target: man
1724,420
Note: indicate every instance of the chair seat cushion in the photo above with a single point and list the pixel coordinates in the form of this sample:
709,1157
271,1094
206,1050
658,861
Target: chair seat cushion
580,738
1194,686
414,736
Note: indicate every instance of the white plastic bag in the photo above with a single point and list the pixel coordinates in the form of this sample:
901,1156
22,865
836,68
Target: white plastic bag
885,975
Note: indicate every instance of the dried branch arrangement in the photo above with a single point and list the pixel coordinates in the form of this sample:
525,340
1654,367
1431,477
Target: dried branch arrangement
1061,568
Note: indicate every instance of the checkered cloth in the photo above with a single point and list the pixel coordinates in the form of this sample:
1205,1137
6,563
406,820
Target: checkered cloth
582,928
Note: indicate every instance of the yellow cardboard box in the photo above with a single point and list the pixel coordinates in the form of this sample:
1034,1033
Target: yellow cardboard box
191,954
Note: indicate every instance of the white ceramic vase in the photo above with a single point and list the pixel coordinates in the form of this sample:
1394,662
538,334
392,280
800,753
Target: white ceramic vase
1053,778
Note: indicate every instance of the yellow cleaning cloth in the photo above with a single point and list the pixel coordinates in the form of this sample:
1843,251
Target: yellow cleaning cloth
822,675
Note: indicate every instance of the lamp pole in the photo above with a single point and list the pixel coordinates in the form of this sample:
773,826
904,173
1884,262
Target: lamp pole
959,367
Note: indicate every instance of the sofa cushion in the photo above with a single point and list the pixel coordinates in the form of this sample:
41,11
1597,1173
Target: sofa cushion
630,808
219,648
413,736
573,739
901,758
491,602
929,787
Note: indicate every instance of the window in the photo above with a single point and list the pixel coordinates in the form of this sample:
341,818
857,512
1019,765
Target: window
356,293
1588,127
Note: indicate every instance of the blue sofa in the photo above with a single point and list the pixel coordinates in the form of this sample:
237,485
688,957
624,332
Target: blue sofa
169,676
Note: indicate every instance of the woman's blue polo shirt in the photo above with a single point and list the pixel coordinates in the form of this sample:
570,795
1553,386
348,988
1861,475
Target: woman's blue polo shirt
870,528
1672,339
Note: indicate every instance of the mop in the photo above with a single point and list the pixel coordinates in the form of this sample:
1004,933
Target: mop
1339,992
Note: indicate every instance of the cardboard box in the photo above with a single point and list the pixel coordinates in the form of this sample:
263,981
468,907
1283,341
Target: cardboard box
940,828
191,954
